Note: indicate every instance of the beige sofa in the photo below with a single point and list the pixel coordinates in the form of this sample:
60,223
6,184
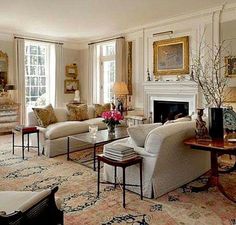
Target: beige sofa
53,139
167,162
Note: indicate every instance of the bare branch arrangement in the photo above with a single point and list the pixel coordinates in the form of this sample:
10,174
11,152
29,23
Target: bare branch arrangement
207,70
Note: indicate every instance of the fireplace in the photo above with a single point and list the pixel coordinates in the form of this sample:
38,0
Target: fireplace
168,110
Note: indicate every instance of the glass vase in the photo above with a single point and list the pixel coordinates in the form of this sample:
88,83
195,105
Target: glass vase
111,129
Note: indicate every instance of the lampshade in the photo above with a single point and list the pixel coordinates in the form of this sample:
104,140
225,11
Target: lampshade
120,88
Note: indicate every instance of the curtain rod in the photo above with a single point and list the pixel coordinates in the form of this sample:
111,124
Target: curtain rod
39,40
110,39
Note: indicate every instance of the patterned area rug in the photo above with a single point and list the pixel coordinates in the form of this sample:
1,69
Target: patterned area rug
77,190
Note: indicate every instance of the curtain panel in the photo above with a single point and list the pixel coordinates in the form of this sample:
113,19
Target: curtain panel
120,60
20,76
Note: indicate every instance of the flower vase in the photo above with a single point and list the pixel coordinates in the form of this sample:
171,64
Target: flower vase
216,123
111,129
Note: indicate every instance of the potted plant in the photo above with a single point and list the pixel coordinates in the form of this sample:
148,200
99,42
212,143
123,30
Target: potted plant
111,119
208,71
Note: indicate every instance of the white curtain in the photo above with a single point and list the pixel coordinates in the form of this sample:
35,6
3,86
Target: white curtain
20,76
59,74
93,81
120,60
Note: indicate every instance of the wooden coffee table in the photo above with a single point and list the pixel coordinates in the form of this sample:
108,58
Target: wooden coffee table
102,138
216,148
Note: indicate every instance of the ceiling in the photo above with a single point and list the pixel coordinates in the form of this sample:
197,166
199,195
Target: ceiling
87,19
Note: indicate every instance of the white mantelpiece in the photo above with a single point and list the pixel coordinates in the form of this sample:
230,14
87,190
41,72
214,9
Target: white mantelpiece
179,91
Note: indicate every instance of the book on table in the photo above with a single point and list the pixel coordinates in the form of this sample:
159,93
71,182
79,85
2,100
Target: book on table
120,153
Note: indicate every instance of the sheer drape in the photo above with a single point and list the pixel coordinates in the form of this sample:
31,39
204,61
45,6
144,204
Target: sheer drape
59,70
20,76
93,83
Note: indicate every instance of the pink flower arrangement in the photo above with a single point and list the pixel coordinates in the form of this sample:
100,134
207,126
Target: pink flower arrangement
112,117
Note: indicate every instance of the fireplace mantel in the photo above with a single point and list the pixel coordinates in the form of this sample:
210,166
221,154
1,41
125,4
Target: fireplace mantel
170,91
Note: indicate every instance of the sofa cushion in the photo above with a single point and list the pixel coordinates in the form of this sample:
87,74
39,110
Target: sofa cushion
138,133
77,112
96,121
99,109
45,116
67,128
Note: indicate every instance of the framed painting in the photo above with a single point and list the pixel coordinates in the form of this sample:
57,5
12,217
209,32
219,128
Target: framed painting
171,57
71,71
70,86
230,66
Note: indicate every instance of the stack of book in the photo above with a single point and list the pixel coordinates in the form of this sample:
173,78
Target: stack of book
23,128
120,153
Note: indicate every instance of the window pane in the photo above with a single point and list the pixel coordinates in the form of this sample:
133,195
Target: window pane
41,70
42,81
34,81
41,60
109,79
108,49
33,50
33,70
33,60
27,70
41,50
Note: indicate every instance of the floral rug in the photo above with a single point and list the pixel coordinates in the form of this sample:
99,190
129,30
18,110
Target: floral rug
77,191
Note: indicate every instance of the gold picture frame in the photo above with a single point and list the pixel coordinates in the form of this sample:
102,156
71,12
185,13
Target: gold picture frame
230,66
72,71
130,69
70,86
171,56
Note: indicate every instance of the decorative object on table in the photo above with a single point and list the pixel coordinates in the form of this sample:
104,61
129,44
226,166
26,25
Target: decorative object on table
71,86
206,71
130,69
111,119
93,128
230,66
72,71
121,91
171,56
148,75
77,96
201,129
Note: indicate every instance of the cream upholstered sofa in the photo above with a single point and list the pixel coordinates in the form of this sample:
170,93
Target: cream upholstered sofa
167,162
53,138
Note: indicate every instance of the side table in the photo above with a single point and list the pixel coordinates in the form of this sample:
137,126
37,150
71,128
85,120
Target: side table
23,146
123,165
216,148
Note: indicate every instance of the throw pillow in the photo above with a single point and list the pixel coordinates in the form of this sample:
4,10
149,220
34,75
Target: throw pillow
99,109
139,133
45,116
78,113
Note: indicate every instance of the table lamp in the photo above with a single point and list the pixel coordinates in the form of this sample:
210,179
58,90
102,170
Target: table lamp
121,91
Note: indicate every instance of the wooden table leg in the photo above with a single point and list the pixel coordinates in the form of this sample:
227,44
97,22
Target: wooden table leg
98,187
115,175
213,180
38,143
94,158
123,187
28,142
68,148
13,143
23,145
141,179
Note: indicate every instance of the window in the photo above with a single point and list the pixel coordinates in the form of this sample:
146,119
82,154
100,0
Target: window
106,56
36,74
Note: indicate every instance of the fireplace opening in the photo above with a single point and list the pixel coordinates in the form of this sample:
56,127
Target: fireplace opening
168,110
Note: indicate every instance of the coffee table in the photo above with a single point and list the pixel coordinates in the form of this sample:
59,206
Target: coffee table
102,138
216,148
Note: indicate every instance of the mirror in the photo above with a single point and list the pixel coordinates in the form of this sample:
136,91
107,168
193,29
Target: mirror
3,70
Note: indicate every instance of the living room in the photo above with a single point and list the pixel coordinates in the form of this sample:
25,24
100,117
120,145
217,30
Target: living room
82,78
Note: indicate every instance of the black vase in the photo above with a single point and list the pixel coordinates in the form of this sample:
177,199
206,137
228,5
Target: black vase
216,123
